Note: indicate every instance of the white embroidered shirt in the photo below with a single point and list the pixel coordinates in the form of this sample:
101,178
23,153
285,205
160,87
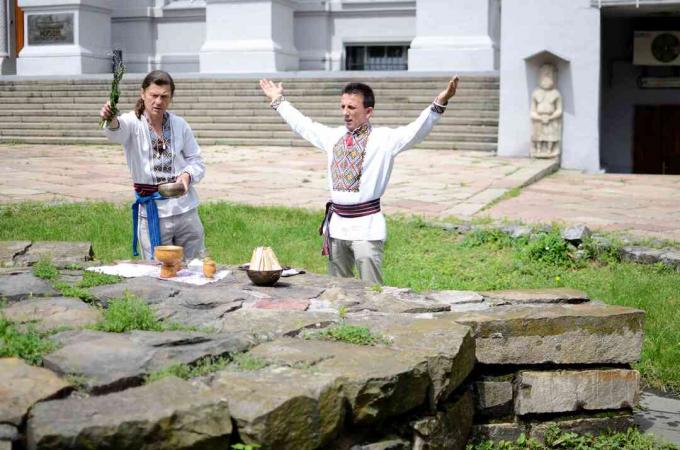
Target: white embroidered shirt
383,145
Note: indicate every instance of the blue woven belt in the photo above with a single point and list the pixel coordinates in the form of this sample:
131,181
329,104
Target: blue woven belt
153,223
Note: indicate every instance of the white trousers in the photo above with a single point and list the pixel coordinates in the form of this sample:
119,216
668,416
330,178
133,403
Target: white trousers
185,230
366,255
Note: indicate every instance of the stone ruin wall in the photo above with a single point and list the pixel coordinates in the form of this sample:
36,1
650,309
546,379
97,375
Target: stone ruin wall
455,365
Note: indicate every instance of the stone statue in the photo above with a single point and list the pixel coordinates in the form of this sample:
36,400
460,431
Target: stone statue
546,115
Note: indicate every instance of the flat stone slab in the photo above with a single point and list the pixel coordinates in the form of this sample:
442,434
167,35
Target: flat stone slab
22,385
587,333
455,298
10,249
151,290
576,390
170,413
52,312
378,382
448,347
18,285
112,361
283,408
520,296
265,324
60,253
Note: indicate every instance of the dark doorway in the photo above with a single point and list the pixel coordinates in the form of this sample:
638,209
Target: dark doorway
656,139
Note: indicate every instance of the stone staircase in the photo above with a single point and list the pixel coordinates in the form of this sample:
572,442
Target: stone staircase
233,111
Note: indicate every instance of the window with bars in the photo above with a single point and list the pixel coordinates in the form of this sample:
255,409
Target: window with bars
376,57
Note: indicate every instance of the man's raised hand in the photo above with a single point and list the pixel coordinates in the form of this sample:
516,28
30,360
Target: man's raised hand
450,91
271,89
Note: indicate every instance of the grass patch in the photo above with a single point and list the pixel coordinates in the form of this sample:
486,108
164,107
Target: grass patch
93,279
631,439
248,362
128,313
45,269
202,367
351,334
416,256
29,345
68,290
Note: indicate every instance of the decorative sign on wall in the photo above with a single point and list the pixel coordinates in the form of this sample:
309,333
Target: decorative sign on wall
45,29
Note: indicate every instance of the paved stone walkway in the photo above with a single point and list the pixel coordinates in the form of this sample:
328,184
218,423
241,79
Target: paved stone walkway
431,183
660,416
638,205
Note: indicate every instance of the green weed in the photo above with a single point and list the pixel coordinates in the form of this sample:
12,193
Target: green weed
128,313
351,334
202,367
93,279
248,362
631,439
29,345
45,269
68,290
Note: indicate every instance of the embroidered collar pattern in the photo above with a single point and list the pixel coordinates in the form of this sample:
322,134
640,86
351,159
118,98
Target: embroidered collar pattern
348,159
161,147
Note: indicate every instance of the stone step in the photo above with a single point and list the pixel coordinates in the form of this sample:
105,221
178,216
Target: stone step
252,92
34,119
252,102
236,134
233,111
89,85
202,128
77,140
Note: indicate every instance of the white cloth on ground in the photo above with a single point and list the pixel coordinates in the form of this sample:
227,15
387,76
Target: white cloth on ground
131,270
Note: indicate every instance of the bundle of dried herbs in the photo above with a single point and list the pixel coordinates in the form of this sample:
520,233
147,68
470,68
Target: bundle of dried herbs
118,71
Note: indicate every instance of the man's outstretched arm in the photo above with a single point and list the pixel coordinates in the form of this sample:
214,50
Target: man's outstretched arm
313,132
413,133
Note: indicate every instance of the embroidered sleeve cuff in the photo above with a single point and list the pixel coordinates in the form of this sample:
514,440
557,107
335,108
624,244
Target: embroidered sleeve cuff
277,102
438,108
110,128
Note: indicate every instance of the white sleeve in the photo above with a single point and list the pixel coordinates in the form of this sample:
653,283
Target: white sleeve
192,155
121,134
409,135
313,132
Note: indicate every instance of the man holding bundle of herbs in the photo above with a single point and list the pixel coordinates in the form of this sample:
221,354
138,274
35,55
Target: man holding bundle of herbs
360,159
165,162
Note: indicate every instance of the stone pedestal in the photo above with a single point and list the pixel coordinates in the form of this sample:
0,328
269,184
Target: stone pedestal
66,37
249,36
466,40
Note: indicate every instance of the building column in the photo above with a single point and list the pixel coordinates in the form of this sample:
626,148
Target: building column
249,36
534,32
66,37
456,35
4,37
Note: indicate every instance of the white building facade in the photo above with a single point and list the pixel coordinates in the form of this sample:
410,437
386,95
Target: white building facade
612,98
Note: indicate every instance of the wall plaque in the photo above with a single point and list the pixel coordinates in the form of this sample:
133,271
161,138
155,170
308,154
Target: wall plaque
44,29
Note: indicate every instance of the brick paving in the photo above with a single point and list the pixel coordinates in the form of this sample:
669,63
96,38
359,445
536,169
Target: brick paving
430,183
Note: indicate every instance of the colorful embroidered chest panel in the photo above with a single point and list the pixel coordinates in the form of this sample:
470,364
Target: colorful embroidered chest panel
161,147
348,159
